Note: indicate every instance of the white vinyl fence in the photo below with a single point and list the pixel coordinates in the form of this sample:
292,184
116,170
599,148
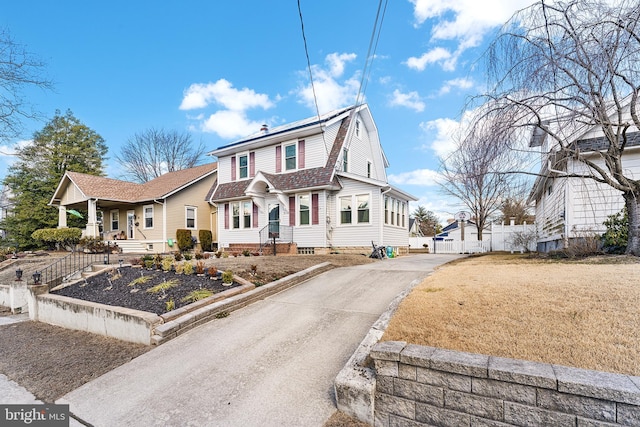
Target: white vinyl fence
499,237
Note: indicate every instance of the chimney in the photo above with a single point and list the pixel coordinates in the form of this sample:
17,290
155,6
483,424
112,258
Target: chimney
264,129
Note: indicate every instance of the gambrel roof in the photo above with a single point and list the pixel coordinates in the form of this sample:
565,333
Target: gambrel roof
98,187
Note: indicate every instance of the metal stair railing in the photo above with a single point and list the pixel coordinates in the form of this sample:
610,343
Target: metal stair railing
279,234
57,272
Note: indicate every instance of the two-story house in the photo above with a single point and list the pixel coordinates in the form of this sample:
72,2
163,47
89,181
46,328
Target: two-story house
570,206
318,184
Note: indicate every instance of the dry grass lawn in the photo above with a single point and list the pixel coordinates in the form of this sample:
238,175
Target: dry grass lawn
575,313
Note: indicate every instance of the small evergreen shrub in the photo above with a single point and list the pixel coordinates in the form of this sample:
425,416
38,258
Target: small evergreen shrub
227,276
206,239
167,262
178,256
184,240
188,268
614,240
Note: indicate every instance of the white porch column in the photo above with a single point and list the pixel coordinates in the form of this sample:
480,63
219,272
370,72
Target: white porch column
62,216
92,220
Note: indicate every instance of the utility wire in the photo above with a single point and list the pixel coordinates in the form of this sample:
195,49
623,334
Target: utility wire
313,87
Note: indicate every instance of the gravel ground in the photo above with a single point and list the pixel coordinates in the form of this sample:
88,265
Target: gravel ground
50,361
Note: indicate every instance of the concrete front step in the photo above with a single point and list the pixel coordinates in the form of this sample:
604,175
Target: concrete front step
131,246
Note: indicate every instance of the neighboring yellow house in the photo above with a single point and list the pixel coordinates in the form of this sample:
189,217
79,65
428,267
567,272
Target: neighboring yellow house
141,217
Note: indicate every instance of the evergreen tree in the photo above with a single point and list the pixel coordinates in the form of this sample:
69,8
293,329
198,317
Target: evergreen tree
427,221
64,144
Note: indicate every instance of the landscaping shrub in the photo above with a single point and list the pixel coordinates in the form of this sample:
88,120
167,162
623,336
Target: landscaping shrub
188,268
227,276
94,245
206,238
177,256
615,238
187,256
183,237
65,238
167,262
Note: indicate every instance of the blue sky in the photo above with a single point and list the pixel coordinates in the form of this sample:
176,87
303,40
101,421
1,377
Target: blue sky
220,70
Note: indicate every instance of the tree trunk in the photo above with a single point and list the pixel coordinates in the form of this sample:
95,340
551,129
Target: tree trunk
633,210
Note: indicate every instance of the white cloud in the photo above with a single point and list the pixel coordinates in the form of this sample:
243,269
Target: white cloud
336,62
222,92
232,120
459,83
331,92
436,55
421,177
410,100
8,152
443,142
230,124
463,21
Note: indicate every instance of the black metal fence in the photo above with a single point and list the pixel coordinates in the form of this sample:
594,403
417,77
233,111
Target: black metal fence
55,274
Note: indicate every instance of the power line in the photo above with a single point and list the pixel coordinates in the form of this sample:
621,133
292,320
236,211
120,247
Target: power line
313,87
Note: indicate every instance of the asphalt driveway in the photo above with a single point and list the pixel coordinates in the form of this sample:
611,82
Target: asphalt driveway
272,363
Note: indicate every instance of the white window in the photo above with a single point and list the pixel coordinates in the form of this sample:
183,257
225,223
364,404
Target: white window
363,208
345,159
115,220
393,212
358,128
304,209
243,166
148,216
362,204
398,213
235,215
386,210
403,215
368,169
290,157
345,210
191,216
247,211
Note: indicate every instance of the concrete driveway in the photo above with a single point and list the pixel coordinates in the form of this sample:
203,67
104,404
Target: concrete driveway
272,363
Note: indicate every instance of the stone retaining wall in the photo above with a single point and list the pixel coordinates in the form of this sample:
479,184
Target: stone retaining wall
424,386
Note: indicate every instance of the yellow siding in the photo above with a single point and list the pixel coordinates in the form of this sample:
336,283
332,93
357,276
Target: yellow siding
194,196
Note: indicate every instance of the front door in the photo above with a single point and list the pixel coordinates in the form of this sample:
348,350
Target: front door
131,217
274,221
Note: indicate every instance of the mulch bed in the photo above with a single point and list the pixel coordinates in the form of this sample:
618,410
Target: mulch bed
117,288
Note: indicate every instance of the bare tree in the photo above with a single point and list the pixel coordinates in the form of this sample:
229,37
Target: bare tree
479,171
154,152
19,70
575,62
